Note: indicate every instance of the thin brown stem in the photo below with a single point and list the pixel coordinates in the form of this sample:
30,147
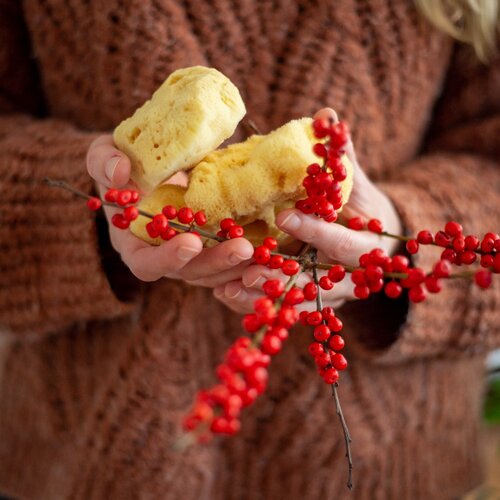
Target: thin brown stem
338,407
345,430
181,227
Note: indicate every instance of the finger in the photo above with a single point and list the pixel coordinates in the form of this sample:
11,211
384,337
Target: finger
326,114
237,297
218,259
150,263
106,164
335,241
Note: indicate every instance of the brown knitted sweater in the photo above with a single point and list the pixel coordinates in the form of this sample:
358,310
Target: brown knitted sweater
97,369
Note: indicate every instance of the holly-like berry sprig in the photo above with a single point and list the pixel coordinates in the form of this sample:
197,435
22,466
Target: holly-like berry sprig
243,374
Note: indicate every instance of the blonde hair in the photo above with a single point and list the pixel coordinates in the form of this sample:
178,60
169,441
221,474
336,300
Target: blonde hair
475,22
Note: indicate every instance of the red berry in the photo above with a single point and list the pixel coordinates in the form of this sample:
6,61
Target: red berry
314,318
453,228
483,278
123,198
185,215
459,244
375,226
321,127
373,273
290,267
325,283
276,262
361,292
134,196
169,211
468,257
442,239
425,237
251,323
339,362
159,223
336,273
327,313
336,342
235,232
313,169
400,263
273,288
339,135
323,359
200,218
119,221
487,245
355,223
303,317
227,224
331,376
271,344
94,203
321,333
471,242
442,269
358,277
262,255
416,276
280,332
417,294
169,233
449,255
310,291
270,243
288,316
433,284
487,260
294,296
131,213
412,246
320,150
393,289
335,324
315,348
111,195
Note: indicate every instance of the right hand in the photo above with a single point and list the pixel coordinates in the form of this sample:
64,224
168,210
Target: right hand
183,257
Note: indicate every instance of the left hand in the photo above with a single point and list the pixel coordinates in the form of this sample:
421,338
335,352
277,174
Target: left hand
335,243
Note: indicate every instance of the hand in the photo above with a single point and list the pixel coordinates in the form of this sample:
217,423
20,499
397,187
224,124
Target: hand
183,257
335,243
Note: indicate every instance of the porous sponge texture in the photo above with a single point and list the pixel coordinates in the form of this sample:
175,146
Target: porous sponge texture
167,194
189,116
242,179
251,181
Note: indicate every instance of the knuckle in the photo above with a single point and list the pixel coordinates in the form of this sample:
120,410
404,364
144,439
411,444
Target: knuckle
344,245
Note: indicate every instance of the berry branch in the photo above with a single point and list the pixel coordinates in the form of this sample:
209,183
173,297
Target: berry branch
243,374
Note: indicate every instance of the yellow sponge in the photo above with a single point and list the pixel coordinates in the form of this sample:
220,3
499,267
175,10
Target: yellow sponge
189,116
263,171
250,181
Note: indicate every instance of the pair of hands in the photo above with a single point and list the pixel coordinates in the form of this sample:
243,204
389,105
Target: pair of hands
226,268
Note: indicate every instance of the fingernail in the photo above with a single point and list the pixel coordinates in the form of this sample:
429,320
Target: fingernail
219,291
110,167
236,258
239,294
186,253
291,223
258,282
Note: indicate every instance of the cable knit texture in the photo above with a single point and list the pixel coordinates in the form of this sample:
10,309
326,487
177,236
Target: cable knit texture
94,381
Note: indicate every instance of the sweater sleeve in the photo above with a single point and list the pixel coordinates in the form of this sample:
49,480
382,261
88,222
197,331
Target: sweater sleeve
457,178
51,267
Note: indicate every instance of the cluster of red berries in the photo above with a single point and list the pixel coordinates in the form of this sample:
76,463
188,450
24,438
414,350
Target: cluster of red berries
458,250
322,183
230,230
244,373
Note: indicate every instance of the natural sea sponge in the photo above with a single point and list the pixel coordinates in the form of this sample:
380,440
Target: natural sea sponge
250,181
189,116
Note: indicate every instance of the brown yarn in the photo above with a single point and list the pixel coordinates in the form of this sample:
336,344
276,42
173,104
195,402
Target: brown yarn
93,386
